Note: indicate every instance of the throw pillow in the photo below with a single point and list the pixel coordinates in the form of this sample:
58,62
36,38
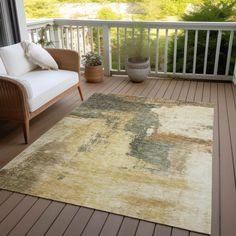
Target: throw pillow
39,56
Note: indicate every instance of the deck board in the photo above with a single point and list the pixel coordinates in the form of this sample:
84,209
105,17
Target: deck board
30,218
112,225
95,224
4,195
145,228
177,91
164,87
21,214
46,220
179,232
63,220
162,230
8,206
215,165
128,227
170,90
184,91
79,222
227,193
16,214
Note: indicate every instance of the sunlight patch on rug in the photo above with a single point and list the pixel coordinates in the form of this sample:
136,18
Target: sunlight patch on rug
144,158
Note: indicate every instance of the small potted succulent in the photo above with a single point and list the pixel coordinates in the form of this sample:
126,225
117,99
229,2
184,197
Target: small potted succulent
93,67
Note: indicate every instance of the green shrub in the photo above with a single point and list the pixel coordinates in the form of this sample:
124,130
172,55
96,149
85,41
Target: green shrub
221,11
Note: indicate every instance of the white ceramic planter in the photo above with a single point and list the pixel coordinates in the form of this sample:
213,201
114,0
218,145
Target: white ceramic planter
138,69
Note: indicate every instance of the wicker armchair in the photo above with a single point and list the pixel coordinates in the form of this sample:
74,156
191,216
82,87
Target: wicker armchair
13,95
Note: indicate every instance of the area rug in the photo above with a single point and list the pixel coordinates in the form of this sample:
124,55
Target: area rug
139,157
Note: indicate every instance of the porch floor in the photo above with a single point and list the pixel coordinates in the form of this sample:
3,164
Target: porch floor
21,214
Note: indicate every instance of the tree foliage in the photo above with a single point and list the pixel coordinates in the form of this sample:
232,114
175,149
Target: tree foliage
106,13
155,10
217,11
41,8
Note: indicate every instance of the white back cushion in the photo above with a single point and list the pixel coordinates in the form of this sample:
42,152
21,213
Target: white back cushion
39,56
2,67
15,61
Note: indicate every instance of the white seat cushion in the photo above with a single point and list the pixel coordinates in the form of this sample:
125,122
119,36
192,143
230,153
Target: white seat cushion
15,61
2,67
44,85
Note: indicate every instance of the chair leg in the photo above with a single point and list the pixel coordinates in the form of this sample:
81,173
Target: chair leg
26,131
80,92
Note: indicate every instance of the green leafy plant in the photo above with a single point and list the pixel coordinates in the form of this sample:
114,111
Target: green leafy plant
91,59
43,41
136,45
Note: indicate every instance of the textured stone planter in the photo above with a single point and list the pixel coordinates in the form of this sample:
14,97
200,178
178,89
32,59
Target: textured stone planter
138,69
94,74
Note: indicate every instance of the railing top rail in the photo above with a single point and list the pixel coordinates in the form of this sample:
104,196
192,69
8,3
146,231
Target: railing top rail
39,23
137,24
150,24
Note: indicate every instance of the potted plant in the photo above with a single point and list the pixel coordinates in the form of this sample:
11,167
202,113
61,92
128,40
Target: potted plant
42,35
93,67
137,62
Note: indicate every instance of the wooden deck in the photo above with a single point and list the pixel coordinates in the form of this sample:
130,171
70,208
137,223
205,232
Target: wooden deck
25,215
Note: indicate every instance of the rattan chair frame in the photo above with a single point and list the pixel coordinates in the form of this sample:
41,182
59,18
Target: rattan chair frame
13,96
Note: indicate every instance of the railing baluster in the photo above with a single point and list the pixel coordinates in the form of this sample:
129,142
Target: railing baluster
71,37
91,38
185,51
32,35
166,53
195,52
67,38
36,35
51,35
157,51
229,52
98,41
84,41
118,46
46,36
149,43
175,51
206,52
57,37
78,40
126,55
107,50
62,37
217,52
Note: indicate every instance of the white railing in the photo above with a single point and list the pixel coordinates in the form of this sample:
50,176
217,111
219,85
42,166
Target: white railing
203,50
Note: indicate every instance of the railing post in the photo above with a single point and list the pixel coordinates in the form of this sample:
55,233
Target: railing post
234,75
107,50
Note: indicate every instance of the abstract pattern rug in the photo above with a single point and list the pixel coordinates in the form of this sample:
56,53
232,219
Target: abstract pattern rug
140,157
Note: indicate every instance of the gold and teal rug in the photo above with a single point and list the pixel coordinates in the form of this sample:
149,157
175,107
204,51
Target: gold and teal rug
144,158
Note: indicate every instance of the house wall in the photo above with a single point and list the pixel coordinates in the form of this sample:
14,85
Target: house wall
12,22
21,19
